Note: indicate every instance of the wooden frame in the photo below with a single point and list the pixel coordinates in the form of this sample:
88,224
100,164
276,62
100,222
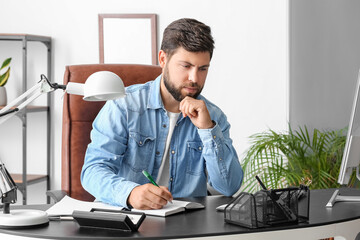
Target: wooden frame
153,31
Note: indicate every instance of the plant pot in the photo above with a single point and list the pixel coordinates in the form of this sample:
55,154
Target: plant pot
3,97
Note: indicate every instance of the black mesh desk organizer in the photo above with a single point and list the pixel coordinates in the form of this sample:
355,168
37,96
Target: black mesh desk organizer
269,207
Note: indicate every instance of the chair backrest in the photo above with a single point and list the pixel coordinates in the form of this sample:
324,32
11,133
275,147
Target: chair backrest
78,116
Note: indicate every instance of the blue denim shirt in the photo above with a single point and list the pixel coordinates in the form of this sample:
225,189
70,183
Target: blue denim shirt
129,136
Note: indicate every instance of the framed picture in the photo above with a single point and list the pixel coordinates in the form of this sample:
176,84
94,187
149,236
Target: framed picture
128,38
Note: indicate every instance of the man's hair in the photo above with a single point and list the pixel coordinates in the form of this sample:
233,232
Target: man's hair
192,35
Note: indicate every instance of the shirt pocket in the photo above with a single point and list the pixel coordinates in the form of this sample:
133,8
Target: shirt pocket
140,151
195,164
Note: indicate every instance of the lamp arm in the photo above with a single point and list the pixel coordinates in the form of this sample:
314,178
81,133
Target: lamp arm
9,111
42,87
21,97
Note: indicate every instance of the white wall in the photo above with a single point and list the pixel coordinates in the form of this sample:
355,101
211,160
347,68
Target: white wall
248,74
324,62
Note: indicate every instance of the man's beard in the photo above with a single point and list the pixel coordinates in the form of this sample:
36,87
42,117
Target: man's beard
176,92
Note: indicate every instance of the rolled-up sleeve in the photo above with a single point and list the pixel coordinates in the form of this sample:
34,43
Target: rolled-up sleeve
222,164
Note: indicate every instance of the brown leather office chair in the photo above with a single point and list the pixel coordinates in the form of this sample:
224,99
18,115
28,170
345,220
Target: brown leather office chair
78,116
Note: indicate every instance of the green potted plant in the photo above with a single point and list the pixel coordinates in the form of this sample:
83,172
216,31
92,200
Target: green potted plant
3,80
295,157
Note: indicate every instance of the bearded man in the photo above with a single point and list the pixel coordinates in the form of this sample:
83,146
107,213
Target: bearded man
165,127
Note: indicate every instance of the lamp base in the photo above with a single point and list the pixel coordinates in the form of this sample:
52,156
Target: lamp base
23,218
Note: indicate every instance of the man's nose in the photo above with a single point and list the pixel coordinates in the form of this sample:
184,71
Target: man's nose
193,76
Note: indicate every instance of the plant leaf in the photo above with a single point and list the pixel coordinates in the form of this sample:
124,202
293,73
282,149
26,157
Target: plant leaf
6,63
4,77
293,158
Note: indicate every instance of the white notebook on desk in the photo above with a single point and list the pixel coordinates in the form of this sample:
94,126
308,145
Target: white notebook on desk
67,205
171,208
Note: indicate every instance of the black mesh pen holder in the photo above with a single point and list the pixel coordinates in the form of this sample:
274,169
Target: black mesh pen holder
269,207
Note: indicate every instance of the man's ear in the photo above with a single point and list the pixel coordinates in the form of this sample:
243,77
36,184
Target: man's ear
162,58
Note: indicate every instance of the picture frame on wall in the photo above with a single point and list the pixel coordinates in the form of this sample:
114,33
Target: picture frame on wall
128,38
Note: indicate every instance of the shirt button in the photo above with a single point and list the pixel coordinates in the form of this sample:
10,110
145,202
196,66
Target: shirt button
157,152
200,148
220,159
173,152
140,142
164,126
171,179
214,137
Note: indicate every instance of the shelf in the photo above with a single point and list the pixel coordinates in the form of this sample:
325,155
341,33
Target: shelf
22,37
30,178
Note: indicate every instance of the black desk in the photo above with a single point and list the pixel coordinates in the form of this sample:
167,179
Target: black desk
343,219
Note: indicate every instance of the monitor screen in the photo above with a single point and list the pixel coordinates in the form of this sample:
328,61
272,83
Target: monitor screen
351,156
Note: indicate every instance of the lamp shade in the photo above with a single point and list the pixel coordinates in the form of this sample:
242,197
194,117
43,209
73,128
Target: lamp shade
99,86
102,86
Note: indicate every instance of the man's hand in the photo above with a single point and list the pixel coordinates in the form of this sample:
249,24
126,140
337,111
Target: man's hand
197,111
148,196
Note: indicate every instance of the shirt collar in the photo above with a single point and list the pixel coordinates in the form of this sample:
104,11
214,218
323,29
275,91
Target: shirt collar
155,100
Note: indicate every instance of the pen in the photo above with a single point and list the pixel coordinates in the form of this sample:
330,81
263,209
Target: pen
148,176
261,183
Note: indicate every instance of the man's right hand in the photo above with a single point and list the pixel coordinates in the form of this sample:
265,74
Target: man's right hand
148,196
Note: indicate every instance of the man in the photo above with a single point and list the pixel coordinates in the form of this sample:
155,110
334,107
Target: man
166,128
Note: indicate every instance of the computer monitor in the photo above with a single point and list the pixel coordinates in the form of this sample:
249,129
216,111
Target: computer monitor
351,156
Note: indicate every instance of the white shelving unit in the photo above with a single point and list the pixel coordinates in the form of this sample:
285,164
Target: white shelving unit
23,179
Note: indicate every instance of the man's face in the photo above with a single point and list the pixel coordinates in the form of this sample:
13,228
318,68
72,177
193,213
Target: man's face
185,73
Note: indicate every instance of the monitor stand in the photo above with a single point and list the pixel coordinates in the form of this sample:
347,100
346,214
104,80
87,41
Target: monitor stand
336,197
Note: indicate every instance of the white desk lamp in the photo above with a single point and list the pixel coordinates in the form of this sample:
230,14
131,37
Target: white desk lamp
100,86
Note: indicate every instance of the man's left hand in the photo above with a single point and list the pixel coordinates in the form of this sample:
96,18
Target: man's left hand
197,111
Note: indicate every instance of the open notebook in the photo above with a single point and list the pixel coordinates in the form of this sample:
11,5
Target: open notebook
171,208
67,205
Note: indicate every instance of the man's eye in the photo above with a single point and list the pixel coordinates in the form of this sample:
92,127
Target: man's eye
203,69
186,66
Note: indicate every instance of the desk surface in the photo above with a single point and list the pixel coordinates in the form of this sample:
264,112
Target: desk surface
198,223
